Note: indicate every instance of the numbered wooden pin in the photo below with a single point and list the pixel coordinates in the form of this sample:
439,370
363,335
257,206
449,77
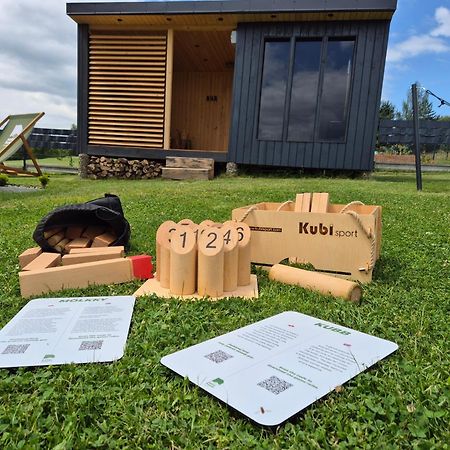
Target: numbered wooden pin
244,258
206,223
163,252
231,254
210,263
186,222
183,261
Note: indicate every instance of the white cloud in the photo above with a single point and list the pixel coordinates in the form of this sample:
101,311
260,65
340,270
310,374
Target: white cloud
442,16
416,45
38,64
432,42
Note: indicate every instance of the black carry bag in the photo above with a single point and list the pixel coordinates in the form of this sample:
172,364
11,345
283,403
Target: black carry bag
104,212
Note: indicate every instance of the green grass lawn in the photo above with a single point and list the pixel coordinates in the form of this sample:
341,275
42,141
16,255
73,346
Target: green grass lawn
65,161
402,402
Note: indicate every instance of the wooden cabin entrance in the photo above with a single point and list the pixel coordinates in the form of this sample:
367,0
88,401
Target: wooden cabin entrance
203,68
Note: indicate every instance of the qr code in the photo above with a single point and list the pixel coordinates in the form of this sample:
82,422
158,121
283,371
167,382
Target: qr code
218,356
275,385
15,349
91,345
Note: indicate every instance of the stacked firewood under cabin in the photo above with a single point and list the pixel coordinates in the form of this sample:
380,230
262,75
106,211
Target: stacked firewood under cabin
64,239
103,167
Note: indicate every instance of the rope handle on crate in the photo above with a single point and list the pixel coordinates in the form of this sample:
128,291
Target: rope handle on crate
253,207
368,232
249,210
287,202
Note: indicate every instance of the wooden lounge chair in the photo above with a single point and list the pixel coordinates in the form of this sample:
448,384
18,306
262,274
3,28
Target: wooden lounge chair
12,138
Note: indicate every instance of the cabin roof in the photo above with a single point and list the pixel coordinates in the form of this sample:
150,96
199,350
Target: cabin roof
227,13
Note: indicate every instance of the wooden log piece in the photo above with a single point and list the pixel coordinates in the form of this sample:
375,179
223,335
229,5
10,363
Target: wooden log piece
210,263
231,257
163,252
325,284
303,202
183,261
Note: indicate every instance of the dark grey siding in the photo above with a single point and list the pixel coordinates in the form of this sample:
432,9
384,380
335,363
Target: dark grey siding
357,152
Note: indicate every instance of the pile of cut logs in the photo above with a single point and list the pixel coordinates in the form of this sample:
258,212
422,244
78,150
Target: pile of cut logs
103,167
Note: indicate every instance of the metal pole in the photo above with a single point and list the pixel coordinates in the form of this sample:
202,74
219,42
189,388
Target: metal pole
416,136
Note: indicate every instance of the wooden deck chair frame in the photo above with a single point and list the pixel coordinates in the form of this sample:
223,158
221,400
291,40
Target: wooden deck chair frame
23,137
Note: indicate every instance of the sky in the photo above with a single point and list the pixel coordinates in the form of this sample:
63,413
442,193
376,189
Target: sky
38,57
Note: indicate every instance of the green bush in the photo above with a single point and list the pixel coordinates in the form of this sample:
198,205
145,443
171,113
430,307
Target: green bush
44,180
3,179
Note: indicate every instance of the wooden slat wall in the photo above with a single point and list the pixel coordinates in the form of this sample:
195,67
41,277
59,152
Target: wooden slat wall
127,77
206,122
358,150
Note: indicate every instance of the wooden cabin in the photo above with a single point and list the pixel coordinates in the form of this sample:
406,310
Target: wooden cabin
287,83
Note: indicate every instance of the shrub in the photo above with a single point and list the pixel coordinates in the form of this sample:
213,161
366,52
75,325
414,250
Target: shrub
44,180
3,179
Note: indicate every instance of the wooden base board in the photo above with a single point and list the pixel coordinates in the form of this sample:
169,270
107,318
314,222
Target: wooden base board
152,286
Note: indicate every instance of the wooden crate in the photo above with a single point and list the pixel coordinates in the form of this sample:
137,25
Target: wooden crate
345,240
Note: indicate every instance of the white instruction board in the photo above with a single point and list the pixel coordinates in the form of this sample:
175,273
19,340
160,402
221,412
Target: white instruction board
272,369
67,330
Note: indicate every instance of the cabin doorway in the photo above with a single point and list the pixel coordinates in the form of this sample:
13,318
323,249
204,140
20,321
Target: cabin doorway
203,68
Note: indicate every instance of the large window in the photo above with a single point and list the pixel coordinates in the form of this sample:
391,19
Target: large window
314,82
273,89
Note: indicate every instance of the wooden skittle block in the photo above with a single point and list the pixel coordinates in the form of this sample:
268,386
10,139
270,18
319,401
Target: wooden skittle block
29,255
61,245
52,231
74,231
93,231
55,239
116,249
111,271
99,255
183,261
319,203
77,243
43,261
303,202
210,263
103,240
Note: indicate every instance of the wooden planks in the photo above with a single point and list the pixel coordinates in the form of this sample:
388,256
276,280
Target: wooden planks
127,85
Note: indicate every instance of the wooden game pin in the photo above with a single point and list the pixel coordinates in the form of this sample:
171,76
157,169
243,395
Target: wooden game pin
187,222
210,263
231,254
244,257
163,252
206,223
183,261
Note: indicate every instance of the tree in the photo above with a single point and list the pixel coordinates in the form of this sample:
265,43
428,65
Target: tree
387,110
423,102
